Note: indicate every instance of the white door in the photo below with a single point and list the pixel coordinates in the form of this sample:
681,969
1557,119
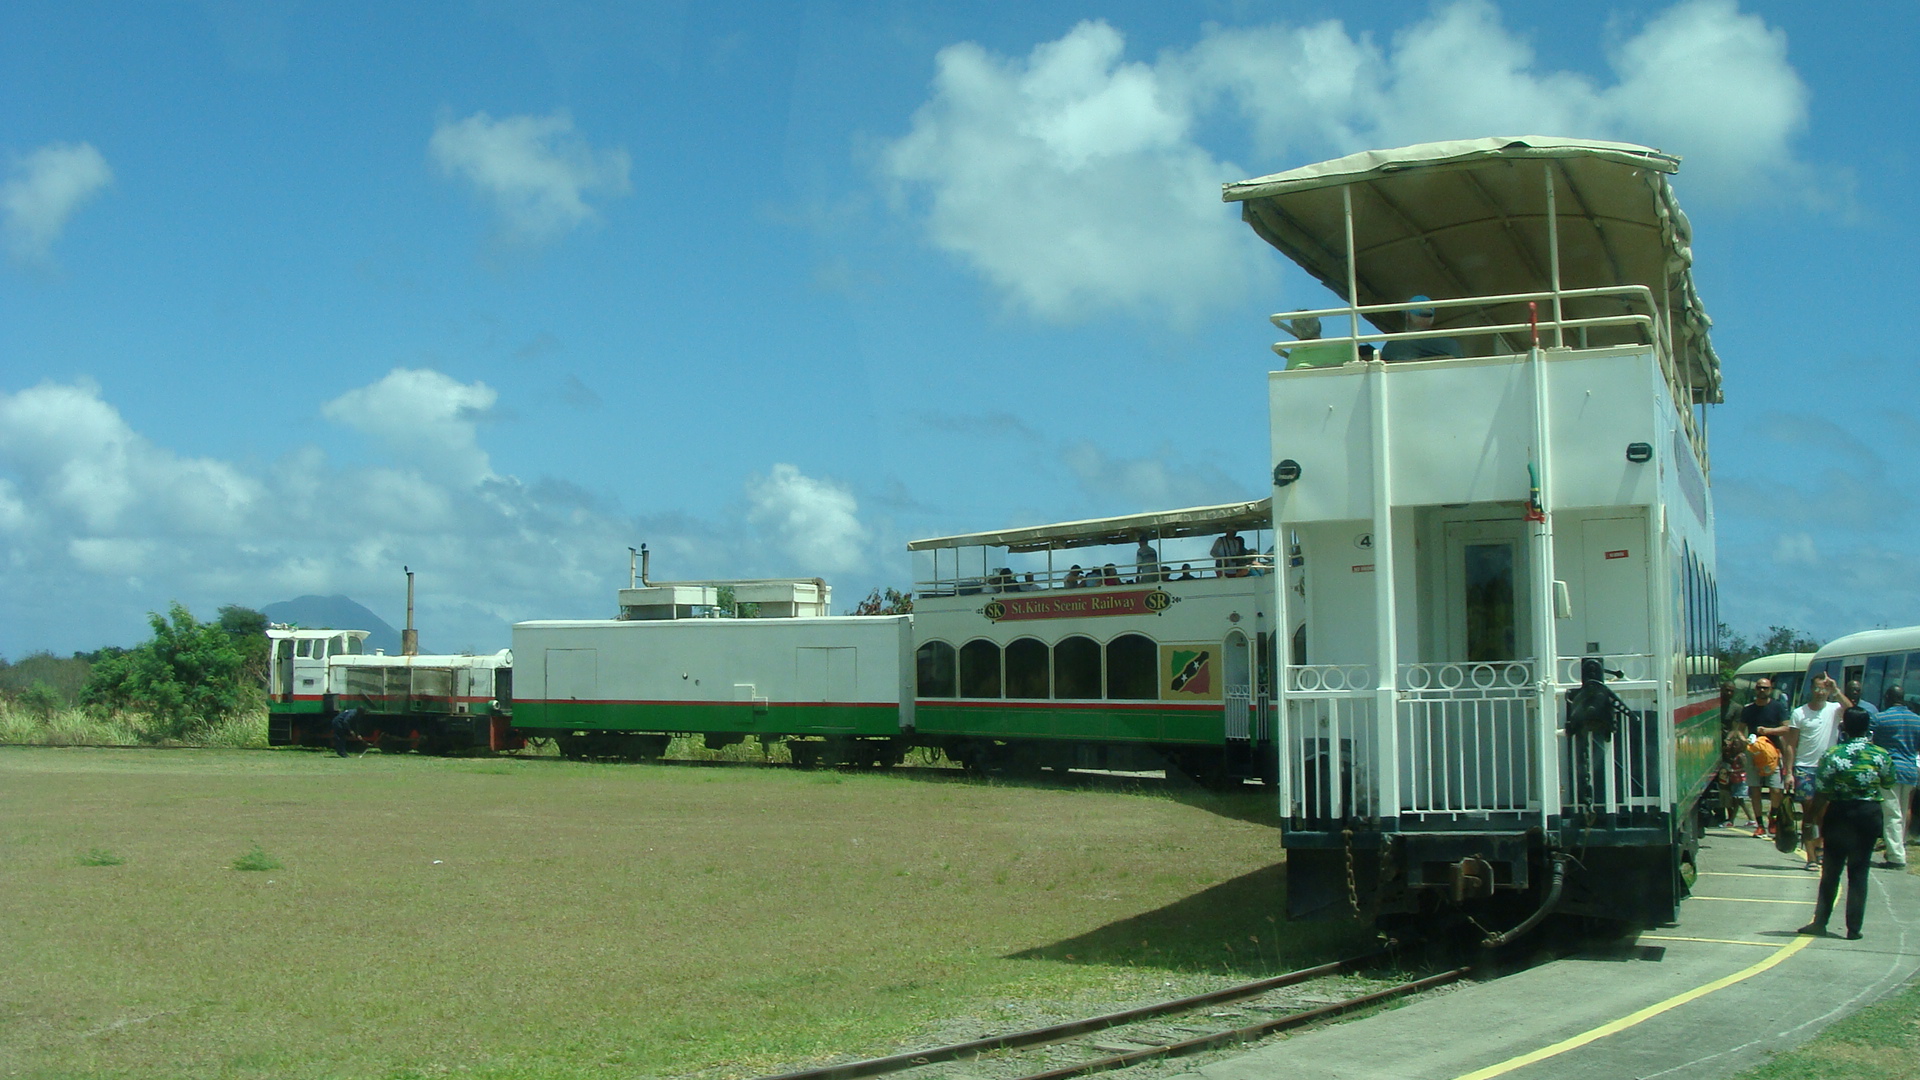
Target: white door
1238,669
573,675
1487,613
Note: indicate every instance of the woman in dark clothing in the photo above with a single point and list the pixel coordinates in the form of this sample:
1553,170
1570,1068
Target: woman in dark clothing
1849,780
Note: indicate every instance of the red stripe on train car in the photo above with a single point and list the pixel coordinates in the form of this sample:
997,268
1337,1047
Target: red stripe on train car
1036,703
1688,712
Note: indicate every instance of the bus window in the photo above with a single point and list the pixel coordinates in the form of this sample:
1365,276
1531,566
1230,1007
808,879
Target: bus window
1875,681
1786,685
1133,668
1076,668
934,665
980,669
1027,662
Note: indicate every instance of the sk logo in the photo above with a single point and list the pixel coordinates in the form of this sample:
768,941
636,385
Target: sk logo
1192,672
994,611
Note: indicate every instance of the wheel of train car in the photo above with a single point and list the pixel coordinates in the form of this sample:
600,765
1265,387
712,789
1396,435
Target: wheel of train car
641,747
572,747
805,755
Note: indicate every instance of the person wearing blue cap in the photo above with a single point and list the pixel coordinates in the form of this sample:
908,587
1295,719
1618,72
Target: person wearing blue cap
1420,318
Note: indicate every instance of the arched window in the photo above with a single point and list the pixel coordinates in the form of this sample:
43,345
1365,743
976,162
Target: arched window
1076,668
934,663
1027,662
980,669
1133,668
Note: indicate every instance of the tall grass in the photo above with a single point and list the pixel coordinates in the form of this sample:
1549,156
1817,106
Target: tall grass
84,727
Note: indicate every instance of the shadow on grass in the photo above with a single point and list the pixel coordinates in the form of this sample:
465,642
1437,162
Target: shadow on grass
1237,928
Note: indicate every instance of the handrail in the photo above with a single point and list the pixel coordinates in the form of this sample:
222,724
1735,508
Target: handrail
1469,301
1659,338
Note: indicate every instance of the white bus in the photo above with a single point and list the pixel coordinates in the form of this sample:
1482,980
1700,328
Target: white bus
1878,658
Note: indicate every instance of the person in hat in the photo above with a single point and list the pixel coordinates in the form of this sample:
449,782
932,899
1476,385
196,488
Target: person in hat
1420,318
1312,352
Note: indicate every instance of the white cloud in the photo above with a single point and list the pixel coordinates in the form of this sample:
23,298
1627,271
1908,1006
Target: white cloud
1076,184
1071,183
815,523
78,460
1128,485
422,417
13,512
47,187
535,170
101,525
1795,549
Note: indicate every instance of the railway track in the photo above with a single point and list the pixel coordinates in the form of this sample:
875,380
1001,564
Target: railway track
1116,1040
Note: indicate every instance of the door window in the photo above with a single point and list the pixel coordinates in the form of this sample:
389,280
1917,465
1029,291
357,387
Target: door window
1489,570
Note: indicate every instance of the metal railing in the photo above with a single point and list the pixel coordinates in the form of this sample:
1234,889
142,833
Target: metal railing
1654,332
993,582
1239,714
1466,738
1468,741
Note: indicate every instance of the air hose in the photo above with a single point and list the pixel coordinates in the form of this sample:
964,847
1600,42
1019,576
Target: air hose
1552,901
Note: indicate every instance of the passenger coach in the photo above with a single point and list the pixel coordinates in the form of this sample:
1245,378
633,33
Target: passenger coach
1505,545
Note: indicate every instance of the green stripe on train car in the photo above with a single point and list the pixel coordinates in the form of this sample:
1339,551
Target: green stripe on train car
1092,723
1696,751
698,717
295,708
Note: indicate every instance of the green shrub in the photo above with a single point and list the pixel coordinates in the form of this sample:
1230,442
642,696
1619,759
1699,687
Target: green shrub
257,860
189,673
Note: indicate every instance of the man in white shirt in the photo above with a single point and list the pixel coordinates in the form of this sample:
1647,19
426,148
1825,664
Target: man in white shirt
1807,736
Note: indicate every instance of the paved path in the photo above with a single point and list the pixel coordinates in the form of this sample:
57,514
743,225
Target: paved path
1707,998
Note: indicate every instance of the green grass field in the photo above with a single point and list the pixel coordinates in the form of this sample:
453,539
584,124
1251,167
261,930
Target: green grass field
210,913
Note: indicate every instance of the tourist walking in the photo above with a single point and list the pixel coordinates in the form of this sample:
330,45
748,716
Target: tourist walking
1808,735
1897,731
1850,779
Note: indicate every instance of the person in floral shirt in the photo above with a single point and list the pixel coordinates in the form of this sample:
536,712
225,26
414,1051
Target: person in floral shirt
1850,780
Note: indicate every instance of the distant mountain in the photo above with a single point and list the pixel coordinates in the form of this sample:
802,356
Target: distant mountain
335,613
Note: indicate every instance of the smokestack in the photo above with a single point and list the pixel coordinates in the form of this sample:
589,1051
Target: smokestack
646,563
409,638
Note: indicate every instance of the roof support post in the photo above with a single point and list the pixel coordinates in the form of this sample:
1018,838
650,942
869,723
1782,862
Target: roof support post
1553,256
1385,767
1545,645
1353,276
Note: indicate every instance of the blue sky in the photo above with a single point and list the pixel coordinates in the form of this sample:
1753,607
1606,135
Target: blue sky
294,294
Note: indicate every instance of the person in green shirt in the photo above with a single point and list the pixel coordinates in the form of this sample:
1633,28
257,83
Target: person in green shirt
1312,352
1849,780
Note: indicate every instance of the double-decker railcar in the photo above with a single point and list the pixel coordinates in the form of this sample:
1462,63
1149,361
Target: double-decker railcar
1128,643
1504,529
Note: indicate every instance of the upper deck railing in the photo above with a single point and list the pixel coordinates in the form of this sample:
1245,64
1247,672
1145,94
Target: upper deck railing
1553,329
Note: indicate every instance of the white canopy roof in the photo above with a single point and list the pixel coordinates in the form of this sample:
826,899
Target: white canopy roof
1468,218
1192,521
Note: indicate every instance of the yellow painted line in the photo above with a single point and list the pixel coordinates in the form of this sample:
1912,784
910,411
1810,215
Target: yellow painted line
1631,1019
1710,940
1750,900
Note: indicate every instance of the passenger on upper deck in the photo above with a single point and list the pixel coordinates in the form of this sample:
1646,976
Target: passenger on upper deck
1229,555
1146,562
1074,578
1420,318
1311,352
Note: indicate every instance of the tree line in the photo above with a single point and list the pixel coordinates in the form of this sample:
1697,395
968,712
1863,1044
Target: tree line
186,674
